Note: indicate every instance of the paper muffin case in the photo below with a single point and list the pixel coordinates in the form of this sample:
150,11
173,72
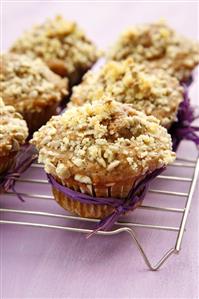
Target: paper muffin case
120,190
36,119
6,162
76,77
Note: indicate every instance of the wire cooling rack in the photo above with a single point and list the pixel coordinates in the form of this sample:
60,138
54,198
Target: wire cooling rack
122,226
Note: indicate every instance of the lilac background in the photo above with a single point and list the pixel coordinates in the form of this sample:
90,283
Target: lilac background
41,263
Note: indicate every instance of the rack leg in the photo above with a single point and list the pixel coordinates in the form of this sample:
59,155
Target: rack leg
144,256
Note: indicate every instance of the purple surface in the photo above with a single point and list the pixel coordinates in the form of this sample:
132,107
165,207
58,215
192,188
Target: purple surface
47,263
44,263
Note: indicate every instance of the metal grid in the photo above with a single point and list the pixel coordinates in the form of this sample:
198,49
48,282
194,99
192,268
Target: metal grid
121,226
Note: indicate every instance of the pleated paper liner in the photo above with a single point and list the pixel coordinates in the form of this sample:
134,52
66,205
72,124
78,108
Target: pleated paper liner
119,190
7,161
37,118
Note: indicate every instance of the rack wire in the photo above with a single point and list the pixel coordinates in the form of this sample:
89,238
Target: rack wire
121,226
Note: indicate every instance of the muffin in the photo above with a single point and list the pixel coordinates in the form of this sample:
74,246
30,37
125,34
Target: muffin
101,149
149,90
62,45
158,46
31,87
13,133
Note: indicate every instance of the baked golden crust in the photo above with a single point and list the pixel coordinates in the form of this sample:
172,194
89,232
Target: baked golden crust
151,91
158,46
62,45
100,143
13,130
28,84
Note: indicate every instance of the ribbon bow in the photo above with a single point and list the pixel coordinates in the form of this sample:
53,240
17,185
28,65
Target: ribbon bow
24,158
182,129
120,205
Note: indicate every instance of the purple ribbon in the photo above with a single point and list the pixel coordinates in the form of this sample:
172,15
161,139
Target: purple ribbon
182,129
188,82
120,206
24,158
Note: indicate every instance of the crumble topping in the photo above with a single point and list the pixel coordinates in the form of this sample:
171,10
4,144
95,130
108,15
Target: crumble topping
151,91
159,46
28,83
13,129
58,40
102,138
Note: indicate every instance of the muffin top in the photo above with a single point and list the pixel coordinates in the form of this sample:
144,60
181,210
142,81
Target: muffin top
60,43
151,91
28,84
102,142
13,129
159,46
